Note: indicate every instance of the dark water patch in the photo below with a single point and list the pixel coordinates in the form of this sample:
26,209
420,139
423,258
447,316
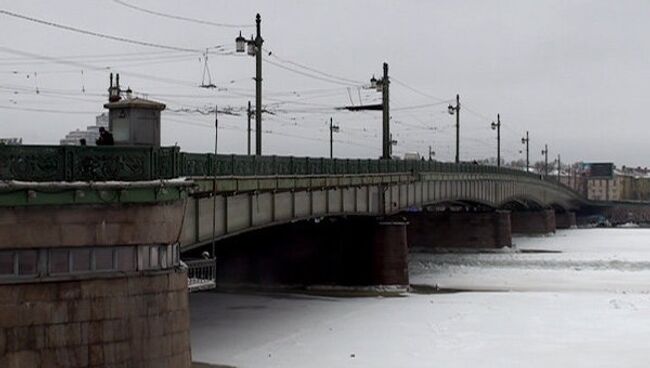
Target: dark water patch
247,307
207,365
539,251
461,250
422,289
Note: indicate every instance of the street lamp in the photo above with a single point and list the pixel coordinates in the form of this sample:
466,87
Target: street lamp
455,110
373,82
333,129
545,153
497,126
382,85
253,46
526,141
240,43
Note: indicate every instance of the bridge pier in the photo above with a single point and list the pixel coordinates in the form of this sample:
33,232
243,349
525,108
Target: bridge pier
93,284
565,220
454,229
533,221
352,251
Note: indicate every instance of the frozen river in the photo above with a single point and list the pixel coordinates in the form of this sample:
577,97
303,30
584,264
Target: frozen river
579,298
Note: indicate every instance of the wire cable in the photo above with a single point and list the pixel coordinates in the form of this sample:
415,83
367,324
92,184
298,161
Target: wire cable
96,34
178,17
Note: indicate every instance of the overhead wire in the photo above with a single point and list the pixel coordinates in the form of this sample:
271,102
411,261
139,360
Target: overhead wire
96,34
178,17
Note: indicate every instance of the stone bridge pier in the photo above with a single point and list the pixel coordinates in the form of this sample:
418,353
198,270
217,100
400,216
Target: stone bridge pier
533,221
90,276
565,219
351,251
459,229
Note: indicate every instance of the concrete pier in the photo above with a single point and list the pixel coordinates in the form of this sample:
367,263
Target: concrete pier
533,221
354,251
95,284
565,220
459,229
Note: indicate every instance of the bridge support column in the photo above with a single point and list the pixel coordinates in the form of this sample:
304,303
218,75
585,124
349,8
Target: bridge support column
533,221
565,220
93,285
389,252
351,252
448,229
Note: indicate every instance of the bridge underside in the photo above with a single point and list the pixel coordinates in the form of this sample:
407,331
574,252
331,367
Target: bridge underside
232,206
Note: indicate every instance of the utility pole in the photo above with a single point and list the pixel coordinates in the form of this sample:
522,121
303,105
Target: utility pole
392,142
249,114
214,181
386,136
254,48
258,86
333,129
380,85
545,153
526,141
497,126
456,110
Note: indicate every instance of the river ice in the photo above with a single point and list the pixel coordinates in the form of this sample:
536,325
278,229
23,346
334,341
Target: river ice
579,298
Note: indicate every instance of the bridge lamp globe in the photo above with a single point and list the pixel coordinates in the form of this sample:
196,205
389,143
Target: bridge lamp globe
251,47
494,125
373,82
379,86
240,43
451,109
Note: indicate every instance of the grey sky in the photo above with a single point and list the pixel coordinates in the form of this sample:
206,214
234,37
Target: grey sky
573,73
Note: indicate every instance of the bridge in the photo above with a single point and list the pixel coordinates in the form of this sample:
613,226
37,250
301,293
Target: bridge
92,234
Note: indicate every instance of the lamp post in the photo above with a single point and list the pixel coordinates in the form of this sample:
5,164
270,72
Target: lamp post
254,48
249,114
382,85
526,141
545,153
333,129
497,126
455,110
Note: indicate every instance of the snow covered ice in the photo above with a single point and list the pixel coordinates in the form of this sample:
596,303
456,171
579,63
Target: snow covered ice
579,298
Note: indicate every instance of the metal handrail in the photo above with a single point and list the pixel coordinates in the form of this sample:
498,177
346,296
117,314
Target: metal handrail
201,274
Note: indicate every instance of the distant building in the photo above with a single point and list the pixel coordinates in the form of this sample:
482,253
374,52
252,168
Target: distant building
90,134
11,141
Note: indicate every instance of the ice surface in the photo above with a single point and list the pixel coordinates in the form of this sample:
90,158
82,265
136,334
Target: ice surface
585,307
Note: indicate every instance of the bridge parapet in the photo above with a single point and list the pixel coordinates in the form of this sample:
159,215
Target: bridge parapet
121,163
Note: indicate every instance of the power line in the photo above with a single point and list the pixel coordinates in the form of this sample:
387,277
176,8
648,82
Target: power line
96,34
417,91
313,76
47,110
346,80
178,17
99,68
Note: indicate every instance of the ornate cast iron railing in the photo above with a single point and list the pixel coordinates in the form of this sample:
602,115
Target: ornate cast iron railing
201,274
84,163
92,163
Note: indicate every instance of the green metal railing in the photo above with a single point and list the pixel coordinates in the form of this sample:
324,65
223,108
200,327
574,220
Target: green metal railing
87,163
93,163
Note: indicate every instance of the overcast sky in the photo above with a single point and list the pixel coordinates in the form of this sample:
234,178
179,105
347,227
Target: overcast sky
573,73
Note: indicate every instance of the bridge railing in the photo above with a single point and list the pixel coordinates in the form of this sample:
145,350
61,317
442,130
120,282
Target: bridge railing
102,163
201,274
87,163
